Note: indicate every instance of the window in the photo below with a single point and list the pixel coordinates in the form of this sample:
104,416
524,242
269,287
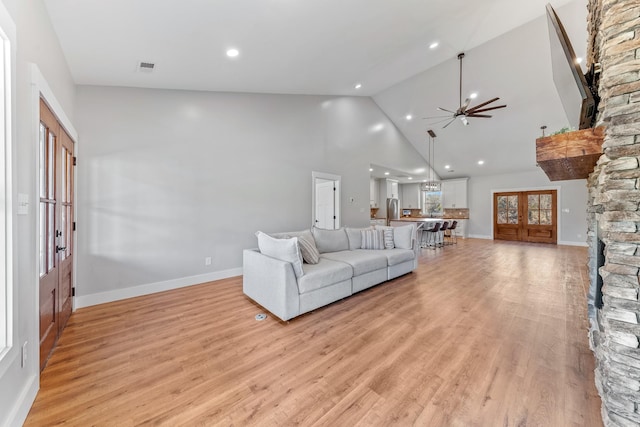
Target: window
6,223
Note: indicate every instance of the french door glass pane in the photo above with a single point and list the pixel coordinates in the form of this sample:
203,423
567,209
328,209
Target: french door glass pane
502,203
545,217
534,216
63,168
545,201
63,231
533,201
51,165
513,202
43,238
51,238
43,164
513,216
502,217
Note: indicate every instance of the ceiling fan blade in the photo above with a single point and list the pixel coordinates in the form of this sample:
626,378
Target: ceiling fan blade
440,121
452,120
464,120
444,109
483,104
466,104
479,115
482,110
436,117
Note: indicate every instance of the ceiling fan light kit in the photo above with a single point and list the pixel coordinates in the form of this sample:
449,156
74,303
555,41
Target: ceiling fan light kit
463,112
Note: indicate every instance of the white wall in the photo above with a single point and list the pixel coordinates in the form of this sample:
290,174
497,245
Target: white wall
37,43
167,178
572,195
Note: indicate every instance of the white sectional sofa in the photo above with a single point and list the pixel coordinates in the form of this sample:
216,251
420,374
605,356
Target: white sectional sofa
289,288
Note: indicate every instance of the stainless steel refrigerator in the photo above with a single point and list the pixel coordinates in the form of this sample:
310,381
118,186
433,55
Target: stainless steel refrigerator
393,210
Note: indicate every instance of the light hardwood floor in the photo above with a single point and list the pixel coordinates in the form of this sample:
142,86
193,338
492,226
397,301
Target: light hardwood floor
484,333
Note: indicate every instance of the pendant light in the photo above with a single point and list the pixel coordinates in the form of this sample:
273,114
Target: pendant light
432,185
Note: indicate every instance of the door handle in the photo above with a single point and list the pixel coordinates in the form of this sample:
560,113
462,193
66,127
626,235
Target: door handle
60,249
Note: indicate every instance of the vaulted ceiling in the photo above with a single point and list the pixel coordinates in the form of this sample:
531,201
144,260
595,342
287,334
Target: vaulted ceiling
327,47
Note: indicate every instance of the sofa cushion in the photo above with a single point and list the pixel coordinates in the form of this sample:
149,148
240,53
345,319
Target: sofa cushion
372,239
355,237
323,274
282,249
330,240
362,261
306,242
398,256
402,236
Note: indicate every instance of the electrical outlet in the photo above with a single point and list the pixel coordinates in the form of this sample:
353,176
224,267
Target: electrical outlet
207,261
24,354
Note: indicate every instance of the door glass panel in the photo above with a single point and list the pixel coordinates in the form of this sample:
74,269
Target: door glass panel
63,231
513,216
545,201
545,217
63,168
50,236
532,201
51,165
502,203
43,238
502,217
43,155
513,202
534,216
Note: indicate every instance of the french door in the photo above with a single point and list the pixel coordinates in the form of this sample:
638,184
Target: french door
529,216
56,230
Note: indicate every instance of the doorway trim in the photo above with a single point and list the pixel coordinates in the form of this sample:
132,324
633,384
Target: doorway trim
325,177
523,189
40,89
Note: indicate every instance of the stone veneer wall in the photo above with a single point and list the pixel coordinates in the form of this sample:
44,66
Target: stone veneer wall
614,190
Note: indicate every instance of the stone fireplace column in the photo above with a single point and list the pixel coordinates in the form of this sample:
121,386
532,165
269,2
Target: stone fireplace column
614,193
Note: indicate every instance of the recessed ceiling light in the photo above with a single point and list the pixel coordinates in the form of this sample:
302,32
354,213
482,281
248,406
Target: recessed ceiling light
481,162
370,169
408,117
433,45
424,180
473,95
579,60
386,173
447,166
233,52
358,85
409,178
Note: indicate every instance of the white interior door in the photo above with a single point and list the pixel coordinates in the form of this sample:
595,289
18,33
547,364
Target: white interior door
325,205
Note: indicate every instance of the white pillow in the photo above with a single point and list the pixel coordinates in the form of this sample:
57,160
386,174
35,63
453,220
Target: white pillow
283,249
402,236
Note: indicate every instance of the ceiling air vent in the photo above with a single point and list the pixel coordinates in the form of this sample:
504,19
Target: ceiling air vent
146,67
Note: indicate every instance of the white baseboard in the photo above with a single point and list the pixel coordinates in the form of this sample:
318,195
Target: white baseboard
19,413
152,288
480,236
567,243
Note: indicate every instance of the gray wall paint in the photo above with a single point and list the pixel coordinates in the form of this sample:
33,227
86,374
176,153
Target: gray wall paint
167,178
36,43
572,196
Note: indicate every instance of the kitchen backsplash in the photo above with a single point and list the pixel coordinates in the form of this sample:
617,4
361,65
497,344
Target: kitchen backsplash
456,213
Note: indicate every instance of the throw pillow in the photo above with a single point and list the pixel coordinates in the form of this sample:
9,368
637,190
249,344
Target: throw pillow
403,236
286,250
310,253
388,238
330,240
355,237
372,239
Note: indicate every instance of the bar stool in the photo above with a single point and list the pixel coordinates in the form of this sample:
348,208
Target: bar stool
453,237
419,233
443,228
432,235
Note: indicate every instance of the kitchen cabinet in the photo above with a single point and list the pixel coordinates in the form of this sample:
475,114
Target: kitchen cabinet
410,195
454,193
392,189
374,191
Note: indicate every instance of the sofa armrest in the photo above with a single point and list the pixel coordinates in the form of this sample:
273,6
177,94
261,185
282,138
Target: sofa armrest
271,283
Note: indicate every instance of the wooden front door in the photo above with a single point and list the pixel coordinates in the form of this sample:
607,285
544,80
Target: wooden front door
529,216
56,230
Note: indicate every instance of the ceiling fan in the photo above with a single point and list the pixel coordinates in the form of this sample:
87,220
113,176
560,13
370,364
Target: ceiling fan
463,112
